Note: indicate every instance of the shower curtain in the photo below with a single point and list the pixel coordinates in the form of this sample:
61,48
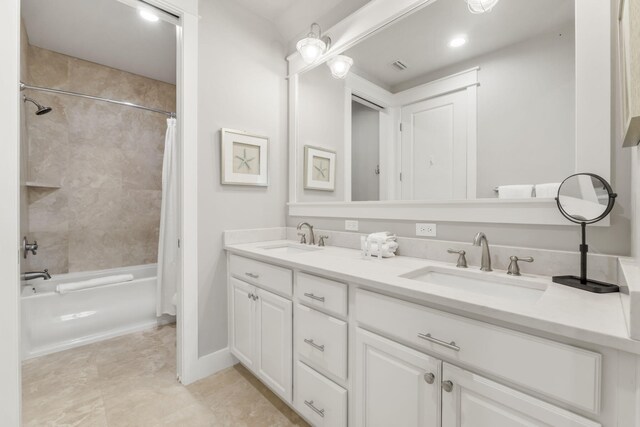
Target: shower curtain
168,267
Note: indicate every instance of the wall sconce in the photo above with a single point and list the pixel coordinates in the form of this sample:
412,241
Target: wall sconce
481,6
314,45
340,66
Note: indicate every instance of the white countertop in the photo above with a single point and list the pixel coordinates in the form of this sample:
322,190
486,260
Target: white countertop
561,310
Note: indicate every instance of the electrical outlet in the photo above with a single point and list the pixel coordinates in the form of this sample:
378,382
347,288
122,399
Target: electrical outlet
351,225
426,230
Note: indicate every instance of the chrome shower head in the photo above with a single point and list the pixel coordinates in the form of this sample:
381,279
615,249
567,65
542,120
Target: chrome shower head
41,108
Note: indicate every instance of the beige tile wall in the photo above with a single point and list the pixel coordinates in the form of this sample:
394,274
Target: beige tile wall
107,160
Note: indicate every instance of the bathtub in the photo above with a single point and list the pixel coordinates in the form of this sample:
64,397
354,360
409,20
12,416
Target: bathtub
53,322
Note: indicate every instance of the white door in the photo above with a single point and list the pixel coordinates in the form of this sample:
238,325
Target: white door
469,400
395,385
275,338
434,148
243,327
365,153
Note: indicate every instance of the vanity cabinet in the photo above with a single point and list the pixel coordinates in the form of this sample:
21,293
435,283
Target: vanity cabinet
342,355
261,334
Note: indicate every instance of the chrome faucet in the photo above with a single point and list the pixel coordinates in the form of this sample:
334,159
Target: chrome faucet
30,275
311,240
481,240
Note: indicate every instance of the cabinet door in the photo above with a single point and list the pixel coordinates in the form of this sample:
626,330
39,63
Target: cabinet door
470,400
243,321
395,385
275,353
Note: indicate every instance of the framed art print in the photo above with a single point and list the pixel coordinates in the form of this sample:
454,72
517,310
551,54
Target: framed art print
244,158
319,169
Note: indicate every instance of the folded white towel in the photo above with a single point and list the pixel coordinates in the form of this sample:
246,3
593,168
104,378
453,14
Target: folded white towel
547,191
63,288
378,246
515,191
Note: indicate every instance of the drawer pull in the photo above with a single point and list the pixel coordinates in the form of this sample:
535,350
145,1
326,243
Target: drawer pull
310,404
429,377
252,275
447,386
312,296
450,345
314,345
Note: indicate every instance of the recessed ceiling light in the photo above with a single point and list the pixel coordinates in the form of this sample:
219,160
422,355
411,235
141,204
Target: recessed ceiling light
148,16
458,41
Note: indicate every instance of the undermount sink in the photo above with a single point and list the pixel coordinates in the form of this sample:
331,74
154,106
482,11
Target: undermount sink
495,284
290,248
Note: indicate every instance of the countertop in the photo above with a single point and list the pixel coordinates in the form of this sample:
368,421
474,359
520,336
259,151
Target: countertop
562,311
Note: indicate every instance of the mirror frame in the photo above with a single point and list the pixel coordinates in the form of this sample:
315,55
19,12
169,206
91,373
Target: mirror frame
610,203
593,123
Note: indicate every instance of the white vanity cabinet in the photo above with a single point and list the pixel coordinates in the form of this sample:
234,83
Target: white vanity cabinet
261,328
343,355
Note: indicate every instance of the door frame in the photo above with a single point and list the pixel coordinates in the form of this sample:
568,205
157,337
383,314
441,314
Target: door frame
189,363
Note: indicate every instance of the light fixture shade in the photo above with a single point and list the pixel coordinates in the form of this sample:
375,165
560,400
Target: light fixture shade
311,48
481,6
340,66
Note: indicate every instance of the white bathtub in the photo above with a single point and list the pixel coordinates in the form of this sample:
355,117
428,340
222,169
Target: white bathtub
53,322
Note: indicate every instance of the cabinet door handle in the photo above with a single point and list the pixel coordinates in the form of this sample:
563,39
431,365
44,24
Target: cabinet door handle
252,275
429,377
314,345
310,404
447,386
450,345
312,296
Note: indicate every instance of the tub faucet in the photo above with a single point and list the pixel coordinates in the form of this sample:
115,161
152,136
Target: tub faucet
312,239
30,275
481,240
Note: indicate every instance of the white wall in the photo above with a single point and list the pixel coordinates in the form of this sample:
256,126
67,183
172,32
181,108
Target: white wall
242,86
321,123
9,216
526,111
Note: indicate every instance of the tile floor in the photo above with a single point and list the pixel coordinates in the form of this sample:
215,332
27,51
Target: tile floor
130,381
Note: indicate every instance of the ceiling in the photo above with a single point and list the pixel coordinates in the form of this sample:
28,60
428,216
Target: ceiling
421,40
106,32
292,18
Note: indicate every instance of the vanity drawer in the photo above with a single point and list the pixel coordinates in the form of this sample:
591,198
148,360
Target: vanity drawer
562,372
322,293
321,340
277,279
319,399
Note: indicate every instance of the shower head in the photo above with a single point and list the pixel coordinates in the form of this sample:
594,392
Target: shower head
41,108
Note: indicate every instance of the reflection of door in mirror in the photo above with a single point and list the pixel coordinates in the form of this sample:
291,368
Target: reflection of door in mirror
434,148
365,152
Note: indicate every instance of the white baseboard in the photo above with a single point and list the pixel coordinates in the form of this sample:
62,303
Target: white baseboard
209,365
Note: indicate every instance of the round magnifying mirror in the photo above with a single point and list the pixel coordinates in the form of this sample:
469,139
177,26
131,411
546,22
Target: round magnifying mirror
585,198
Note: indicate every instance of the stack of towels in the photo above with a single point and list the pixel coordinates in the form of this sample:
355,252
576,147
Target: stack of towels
527,191
382,244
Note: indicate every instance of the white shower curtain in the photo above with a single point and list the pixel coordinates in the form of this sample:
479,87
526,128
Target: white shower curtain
168,244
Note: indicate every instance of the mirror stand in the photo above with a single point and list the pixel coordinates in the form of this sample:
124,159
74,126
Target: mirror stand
582,282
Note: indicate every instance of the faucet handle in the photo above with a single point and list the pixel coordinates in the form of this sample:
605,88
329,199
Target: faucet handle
462,259
321,240
303,238
514,268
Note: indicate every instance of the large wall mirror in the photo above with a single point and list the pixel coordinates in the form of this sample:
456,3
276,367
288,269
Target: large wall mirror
443,105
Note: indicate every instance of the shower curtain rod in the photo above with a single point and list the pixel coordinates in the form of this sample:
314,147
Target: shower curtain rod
96,98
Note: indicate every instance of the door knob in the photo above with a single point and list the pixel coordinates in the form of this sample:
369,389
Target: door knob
447,386
429,377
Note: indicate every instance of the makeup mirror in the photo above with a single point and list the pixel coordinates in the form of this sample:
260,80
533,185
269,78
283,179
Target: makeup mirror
585,198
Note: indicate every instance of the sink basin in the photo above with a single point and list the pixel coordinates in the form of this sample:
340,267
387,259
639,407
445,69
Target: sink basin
495,284
290,248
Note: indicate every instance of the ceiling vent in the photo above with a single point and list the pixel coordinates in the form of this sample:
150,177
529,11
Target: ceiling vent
399,65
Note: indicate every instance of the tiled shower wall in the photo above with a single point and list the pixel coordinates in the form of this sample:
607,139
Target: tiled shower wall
106,160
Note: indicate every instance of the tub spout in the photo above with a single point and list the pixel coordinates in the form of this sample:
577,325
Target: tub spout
30,275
